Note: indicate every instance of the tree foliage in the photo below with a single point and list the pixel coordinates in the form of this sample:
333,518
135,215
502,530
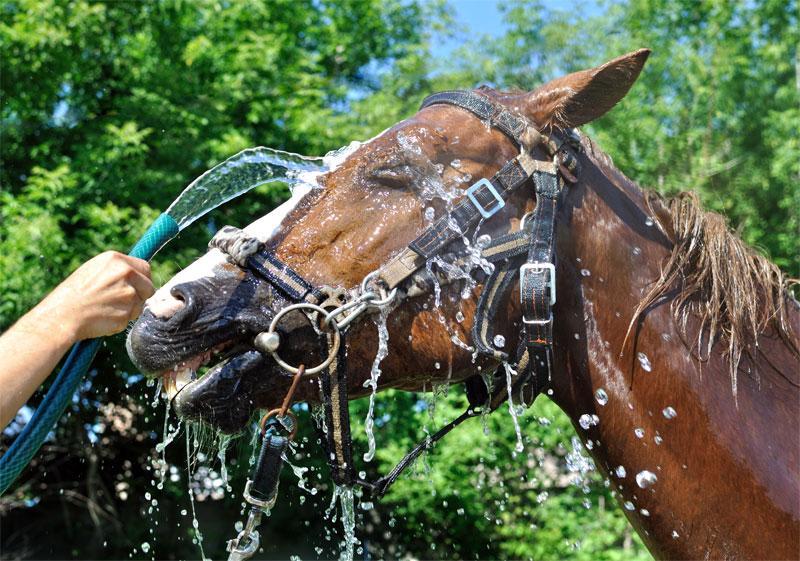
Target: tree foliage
109,108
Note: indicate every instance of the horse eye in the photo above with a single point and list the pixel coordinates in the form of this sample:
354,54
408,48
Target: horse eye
401,175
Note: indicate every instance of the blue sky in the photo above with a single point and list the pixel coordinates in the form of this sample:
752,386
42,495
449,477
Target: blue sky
483,16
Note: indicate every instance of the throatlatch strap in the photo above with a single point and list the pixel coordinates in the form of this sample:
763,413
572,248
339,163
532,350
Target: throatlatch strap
537,279
337,439
249,253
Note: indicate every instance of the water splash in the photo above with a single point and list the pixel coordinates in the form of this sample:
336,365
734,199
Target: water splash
348,514
195,524
223,442
236,175
511,409
372,382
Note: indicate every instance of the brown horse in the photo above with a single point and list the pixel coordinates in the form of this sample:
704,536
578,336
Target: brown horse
679,338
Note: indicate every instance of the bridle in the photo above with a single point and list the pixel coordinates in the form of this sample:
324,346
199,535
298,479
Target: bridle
527,254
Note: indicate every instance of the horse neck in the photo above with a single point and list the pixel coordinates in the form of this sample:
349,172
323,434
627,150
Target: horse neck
666,412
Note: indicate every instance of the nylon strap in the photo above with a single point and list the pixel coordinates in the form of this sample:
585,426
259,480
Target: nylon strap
538,280
496,115
249,253
338,444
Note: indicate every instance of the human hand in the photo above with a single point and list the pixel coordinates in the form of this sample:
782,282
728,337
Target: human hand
100,297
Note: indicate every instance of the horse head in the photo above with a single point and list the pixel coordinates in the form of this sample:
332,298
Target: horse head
351,223
355,242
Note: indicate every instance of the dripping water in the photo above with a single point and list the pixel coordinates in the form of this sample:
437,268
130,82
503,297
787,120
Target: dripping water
372,382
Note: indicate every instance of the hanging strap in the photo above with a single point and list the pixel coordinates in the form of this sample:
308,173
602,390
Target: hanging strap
335,435
538,281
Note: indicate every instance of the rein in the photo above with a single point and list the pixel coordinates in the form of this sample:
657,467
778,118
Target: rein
527,254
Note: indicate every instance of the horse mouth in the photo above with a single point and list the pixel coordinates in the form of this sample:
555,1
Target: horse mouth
210,362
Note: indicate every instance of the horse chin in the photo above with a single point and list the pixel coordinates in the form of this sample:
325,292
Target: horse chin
224,397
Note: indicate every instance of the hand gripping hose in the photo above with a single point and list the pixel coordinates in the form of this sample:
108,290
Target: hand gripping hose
55,402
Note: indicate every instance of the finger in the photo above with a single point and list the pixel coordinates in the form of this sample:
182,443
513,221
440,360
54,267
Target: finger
138,265
142,284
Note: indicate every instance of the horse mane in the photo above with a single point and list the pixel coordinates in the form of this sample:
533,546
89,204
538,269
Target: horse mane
735,293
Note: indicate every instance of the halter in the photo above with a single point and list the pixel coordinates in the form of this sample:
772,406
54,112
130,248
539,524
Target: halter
527,254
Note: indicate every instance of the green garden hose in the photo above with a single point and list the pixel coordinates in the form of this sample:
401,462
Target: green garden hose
55,402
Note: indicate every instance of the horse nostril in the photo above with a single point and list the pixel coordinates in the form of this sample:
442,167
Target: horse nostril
183,302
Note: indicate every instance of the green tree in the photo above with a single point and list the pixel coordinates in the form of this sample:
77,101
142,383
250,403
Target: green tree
108,109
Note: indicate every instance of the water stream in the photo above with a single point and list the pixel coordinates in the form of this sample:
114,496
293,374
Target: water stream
237,175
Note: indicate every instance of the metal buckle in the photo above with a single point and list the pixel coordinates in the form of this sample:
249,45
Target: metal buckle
537,321
257,502
537,267
500,202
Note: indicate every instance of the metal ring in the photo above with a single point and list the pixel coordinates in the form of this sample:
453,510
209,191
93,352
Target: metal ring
331,353
525,217
266,418
387,299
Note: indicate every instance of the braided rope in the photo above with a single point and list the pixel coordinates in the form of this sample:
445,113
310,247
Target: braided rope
236,243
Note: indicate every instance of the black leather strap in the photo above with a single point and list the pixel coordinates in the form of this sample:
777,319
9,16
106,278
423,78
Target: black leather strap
537,279
465,215
495,114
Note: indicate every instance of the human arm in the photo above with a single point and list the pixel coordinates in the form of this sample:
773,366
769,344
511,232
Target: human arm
98,299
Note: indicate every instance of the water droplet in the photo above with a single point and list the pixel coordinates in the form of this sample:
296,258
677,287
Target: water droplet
601,396
429,213
542,497
499,341
629,505
618,314
639,433
620,471
648,221
577,337
658,440
645,362
669,413
145,547
483,241
666,337
645,479
544,422
459,317
587,503
585,272
456,163
437,366
674,535
587,421
636,251
645,512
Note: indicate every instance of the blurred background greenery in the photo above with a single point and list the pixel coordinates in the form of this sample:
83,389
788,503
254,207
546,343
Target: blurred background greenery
110,108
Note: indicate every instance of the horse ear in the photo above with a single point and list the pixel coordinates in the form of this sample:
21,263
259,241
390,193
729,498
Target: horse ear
581,97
